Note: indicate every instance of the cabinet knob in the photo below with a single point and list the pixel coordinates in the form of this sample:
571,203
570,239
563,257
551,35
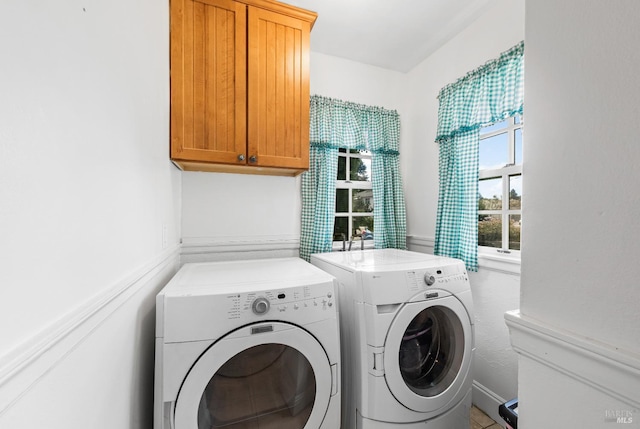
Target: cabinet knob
253,159
241,157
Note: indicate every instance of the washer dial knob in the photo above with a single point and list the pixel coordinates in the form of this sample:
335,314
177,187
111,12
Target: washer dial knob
429,279
260,306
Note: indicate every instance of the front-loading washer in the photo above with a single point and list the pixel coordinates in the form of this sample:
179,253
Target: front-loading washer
407,333
247,344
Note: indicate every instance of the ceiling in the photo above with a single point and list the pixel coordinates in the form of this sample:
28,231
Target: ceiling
395,35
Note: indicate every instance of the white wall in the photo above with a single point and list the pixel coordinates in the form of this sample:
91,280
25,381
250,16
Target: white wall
500,28
494,292
91,206
226,216
90,209
580,271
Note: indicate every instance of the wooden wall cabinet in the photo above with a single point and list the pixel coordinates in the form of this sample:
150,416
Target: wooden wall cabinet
240,86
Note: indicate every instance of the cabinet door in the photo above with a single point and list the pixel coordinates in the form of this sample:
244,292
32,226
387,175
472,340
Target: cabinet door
278,89
208,81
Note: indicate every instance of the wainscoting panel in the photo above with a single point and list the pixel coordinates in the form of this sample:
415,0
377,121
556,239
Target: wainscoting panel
610,370
22,370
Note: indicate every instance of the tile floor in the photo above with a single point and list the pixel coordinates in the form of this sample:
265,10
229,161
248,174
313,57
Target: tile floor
480,420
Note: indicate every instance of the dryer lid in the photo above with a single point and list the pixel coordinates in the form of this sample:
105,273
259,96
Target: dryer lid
379,260
207,278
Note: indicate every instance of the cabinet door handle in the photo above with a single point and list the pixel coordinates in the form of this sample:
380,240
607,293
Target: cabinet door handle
241,157
253,159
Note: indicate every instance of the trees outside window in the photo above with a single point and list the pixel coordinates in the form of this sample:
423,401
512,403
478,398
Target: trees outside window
500,186
354,196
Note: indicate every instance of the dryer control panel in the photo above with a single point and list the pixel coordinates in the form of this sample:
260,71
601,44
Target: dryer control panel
200,317
266,303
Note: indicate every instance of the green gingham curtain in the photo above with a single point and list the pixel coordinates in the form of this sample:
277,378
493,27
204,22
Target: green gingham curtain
491,93
337,124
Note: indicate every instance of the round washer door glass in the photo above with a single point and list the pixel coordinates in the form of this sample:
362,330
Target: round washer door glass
269,385
431,351
427,354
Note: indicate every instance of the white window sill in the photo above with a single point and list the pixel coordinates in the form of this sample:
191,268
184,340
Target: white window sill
495,261
355,245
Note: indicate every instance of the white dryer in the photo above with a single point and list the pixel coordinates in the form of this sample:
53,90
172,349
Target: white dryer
247,344
407,333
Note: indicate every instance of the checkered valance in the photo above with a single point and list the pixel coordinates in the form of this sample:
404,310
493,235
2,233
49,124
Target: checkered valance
337,124
489,94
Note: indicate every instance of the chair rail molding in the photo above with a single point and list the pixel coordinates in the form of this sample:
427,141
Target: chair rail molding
22,368
210,249
591,362
418,243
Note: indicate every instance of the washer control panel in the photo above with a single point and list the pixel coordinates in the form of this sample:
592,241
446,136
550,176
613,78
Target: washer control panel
448,277
429,279
277,303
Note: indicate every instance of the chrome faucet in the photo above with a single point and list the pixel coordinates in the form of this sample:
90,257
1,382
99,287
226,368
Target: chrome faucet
361,241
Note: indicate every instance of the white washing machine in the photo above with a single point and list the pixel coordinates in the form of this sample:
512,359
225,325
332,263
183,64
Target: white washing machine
247,344
407,334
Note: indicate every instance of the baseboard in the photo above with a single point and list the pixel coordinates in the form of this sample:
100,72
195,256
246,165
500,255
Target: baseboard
487,401
22,368
210,249
608,369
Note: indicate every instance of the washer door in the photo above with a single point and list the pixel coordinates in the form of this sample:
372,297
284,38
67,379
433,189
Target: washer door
269,374
428,353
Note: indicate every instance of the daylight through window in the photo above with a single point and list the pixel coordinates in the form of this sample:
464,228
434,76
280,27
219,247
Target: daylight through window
354,196
500,185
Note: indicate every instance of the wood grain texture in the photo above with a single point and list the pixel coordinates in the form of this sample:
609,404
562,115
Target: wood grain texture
240,84
278,108
284,9
236,169
208,107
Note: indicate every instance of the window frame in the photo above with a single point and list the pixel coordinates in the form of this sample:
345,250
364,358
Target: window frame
504,174
350,185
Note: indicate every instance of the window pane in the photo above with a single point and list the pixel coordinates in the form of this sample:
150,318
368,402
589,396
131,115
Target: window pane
490,194
517,119
342,168
360,151
494,152
514,232
362,201
360,169
515,192
495,127
341,226
363,226
518,146
342,200
490,230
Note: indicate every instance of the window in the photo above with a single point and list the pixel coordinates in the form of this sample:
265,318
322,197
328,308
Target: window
354,196
500,186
